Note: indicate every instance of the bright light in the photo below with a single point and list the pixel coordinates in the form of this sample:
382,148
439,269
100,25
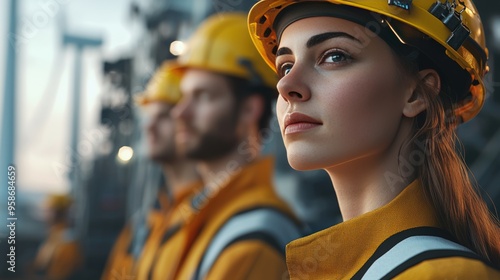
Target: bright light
177,48
125,153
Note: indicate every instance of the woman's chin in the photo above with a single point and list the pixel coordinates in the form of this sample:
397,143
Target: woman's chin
303,162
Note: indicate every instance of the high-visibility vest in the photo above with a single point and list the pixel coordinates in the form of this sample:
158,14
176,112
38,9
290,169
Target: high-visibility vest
266,224
408,248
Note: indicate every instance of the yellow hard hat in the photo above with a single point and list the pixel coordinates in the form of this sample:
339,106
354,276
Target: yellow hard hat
449,33
222,44
59,201
163,86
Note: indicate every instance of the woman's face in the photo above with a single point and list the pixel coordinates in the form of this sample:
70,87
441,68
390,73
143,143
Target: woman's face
342,92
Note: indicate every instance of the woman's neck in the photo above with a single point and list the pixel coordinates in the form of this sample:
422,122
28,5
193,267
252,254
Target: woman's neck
366,184
362,190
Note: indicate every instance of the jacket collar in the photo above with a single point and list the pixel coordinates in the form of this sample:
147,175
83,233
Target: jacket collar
339,251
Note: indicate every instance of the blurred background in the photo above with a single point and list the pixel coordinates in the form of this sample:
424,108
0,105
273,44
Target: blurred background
68,72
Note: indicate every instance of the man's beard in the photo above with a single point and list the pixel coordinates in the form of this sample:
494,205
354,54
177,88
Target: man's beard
218,141
212,145
166,156
161,150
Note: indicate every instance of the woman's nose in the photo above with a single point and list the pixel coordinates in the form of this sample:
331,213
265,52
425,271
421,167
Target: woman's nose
294,87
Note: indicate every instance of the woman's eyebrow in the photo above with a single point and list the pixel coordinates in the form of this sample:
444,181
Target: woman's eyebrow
282,51
320,38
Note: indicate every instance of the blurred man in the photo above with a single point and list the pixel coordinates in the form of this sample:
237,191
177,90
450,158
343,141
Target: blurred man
237,227
60,255
128,259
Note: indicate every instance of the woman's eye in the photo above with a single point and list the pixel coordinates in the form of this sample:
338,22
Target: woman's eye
335,57
285,69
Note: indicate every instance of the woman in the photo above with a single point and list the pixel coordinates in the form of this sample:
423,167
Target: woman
371,92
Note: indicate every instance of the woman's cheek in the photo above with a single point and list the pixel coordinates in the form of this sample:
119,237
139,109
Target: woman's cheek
280,111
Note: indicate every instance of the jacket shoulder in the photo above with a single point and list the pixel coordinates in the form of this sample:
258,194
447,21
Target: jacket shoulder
450,268
249,259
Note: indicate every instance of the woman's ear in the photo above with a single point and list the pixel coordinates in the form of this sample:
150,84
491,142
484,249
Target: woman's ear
416,104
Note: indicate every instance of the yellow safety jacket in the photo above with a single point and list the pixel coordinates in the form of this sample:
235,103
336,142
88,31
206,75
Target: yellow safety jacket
208,214
342,251
59,256
121,262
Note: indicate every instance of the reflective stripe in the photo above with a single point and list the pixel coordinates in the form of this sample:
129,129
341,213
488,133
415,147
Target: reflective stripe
407,249
138,240
264,220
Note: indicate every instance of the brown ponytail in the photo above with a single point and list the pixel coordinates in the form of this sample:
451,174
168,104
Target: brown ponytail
446,181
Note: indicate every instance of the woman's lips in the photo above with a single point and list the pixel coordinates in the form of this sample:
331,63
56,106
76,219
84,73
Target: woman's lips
298,122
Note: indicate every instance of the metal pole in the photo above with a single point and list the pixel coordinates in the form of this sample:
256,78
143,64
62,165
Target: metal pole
7,137
75,123
80,43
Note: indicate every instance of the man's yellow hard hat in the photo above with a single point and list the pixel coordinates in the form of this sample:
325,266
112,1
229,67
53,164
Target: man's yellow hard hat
222,44
449,33
163,86
59,201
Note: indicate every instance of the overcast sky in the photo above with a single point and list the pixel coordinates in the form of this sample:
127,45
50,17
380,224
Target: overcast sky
43,105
